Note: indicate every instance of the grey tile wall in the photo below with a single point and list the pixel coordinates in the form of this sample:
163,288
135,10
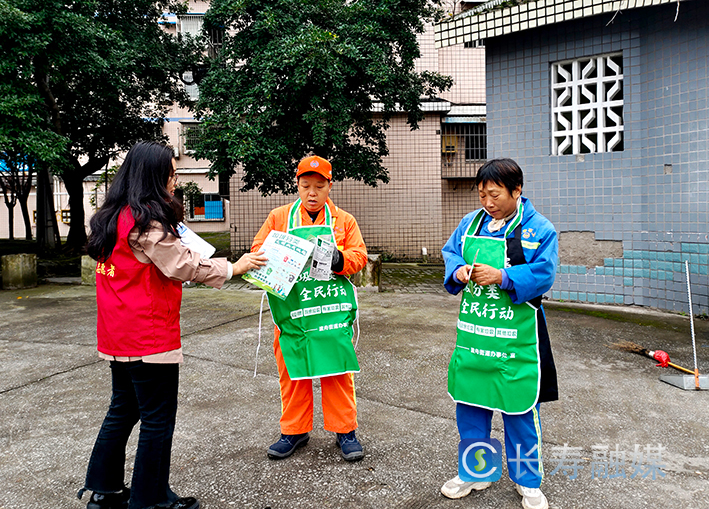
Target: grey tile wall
632,196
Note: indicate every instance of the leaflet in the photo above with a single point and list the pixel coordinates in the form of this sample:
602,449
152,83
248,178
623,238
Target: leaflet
322,260
194,242
287,256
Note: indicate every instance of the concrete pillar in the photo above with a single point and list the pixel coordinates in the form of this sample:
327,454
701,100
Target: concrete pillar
370,276
88,270
19,271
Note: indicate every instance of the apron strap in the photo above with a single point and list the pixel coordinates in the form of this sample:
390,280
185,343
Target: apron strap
295,220
258,347
515,253
356,319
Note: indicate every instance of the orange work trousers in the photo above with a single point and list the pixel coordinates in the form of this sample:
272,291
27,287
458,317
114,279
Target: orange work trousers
339,403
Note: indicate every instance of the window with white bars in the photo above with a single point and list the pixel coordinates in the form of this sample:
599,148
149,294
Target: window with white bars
587,105
191,24
190,134
192,91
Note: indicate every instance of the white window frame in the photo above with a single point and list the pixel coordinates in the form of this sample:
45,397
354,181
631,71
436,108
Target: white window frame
586,106
190,208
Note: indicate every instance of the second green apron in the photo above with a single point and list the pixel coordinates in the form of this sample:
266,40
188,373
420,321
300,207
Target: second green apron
495,363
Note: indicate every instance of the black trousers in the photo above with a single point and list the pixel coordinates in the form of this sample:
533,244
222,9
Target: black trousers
146,393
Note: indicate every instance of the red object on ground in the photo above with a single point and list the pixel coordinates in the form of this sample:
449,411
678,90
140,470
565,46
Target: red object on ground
662,357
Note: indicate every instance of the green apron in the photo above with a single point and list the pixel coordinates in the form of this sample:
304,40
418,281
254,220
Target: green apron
495,363
316,318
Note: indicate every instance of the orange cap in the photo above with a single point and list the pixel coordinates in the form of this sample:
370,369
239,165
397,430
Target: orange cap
315,164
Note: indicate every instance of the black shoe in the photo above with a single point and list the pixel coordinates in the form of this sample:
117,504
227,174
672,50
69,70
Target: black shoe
287,445
350,448
180,503
109,500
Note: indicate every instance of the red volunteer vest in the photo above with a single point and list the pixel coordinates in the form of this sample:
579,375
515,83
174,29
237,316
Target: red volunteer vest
138,306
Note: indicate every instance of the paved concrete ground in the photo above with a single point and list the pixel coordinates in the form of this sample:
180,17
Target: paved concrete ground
54,393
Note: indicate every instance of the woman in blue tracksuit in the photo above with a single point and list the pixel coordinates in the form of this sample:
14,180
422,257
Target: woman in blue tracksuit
503,258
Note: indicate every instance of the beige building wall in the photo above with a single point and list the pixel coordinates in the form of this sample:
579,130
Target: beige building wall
403,216
467,66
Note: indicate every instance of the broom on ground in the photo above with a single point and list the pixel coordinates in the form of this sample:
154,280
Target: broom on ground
658,355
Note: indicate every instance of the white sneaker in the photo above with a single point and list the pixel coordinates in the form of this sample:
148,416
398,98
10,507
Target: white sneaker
457,488
532,498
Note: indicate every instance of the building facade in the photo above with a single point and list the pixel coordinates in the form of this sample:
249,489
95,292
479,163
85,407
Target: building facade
606,112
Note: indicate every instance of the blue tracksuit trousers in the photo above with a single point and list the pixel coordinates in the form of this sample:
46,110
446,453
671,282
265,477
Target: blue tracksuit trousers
523,440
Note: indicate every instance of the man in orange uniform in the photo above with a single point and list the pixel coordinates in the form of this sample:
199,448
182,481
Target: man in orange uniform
314,215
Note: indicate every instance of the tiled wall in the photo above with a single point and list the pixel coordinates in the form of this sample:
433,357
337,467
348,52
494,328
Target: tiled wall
654,278
630,196
467,66
485,23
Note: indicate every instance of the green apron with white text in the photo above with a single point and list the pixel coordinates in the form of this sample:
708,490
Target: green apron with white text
495,363
316,318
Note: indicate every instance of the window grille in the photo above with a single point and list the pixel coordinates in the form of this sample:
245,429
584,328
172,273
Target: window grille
587,105
216,40
475,136
192,91
463,149
191,24
190,134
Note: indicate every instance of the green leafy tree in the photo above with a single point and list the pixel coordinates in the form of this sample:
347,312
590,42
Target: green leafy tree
295,76
26,146
95,75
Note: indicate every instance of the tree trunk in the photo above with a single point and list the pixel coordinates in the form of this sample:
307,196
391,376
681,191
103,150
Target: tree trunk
76,240
8,184
22,196
47,228
74,182
11,216
26,218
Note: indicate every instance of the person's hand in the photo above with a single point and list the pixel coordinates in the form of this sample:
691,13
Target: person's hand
249,261
463,274
485,275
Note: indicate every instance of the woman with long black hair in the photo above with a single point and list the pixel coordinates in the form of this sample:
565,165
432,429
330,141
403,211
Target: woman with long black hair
139,274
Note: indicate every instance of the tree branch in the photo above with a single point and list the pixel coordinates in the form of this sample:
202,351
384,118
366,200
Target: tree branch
41,64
